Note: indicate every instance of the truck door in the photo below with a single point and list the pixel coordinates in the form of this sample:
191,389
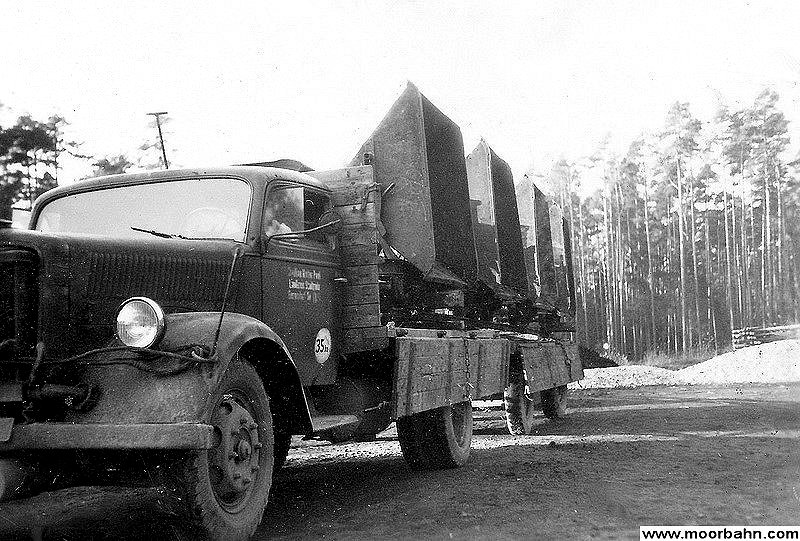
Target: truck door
300,297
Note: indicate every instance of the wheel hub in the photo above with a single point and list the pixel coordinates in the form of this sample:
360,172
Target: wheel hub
243,450
235,461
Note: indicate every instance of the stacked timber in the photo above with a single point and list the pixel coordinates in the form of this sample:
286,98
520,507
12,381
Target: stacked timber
753,336
357,202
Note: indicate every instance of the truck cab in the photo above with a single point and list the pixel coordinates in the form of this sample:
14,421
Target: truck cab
197,319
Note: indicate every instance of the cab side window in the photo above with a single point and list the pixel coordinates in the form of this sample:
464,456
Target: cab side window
315,205
283,212
295,208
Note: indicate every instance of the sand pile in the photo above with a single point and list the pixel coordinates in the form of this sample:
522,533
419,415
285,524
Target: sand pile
626,376
768,363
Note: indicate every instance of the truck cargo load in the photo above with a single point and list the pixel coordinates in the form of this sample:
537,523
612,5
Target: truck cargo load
546,249
418,157
495,221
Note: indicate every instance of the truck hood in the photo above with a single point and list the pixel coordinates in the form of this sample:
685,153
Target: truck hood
83,280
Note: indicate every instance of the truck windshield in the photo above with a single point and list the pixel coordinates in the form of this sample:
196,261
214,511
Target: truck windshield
197,208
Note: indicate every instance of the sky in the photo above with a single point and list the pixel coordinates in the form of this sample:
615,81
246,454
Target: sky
257,81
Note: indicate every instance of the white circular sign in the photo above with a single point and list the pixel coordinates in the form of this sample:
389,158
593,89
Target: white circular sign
322,345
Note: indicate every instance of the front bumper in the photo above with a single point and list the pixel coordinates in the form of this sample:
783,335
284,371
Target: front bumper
50,436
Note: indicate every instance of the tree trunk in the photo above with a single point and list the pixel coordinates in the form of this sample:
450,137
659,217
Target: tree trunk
781,281
710,315
728,278
650,284
766,252
670,287
682,261
620,262
744,277
582,248
699,327
610,297
732,241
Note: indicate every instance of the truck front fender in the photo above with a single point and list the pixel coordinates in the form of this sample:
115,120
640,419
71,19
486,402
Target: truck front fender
131,396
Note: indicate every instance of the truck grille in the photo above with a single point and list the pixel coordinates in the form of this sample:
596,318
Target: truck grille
18,310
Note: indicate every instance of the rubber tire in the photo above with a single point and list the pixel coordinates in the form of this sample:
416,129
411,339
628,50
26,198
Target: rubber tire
433,440
282,444
520,410
208,519
554,402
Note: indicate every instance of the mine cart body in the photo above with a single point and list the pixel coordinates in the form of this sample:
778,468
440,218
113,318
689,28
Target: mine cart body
547,251
418,151
325,304
495,220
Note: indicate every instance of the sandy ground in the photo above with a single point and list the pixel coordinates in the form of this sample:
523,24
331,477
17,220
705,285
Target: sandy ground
622,458
776,362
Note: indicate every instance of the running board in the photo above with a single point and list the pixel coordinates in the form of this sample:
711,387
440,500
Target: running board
323,423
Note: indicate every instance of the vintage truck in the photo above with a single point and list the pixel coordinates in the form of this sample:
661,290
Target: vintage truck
194,320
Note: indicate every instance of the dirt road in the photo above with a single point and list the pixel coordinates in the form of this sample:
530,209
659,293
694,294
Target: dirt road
623,458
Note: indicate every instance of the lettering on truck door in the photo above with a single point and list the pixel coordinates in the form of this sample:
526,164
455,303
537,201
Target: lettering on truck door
300,299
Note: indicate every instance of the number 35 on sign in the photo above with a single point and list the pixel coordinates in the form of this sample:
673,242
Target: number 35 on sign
322,345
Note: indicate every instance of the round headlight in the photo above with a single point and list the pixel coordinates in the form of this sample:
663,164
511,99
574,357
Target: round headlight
140,322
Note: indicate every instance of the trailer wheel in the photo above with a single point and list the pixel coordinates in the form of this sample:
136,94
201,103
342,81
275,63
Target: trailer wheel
226,488
437,439
554,402
520,409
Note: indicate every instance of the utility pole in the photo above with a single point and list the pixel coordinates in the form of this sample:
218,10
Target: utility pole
161,136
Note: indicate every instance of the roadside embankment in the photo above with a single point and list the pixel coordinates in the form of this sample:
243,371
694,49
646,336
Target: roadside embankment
766,363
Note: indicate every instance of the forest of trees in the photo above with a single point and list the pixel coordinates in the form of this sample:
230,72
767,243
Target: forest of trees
30,159
32,154
693,233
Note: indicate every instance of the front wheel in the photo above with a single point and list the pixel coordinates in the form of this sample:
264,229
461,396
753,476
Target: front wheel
437,439
554,402
226,488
